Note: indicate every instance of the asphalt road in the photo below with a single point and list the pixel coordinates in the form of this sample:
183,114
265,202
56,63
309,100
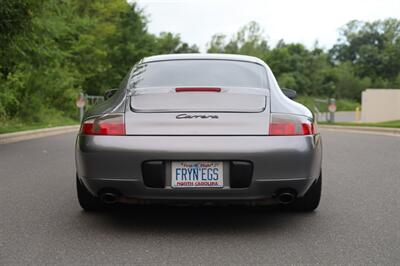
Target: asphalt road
358,221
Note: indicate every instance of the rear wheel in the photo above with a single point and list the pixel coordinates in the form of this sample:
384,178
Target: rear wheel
310,201
87,201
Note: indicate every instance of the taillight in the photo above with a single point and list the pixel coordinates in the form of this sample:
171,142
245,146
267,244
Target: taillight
112,124
291,125
192,89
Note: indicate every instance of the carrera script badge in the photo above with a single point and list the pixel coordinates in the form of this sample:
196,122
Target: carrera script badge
187,116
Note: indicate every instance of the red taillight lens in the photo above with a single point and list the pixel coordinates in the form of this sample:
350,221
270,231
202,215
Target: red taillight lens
105,125
291,125
87,127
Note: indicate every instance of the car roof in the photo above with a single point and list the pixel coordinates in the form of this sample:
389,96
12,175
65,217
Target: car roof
234,57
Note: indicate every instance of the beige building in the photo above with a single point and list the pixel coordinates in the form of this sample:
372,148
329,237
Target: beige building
379,105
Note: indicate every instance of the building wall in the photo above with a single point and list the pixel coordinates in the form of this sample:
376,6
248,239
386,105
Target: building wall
379,105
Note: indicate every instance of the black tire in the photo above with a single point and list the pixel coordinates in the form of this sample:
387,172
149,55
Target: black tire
310,201
87,201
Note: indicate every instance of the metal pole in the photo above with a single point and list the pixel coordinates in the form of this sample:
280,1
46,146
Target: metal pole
357,115
82,108
332,101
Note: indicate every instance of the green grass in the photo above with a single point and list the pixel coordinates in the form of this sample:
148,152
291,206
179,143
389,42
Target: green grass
342,104
390,124
18,125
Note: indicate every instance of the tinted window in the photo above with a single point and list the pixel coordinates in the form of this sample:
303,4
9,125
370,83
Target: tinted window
178,73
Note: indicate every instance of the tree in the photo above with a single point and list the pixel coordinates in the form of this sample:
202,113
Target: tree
53,49
248,40
371,47
365,55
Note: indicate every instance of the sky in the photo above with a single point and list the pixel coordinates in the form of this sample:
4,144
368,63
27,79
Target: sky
305,21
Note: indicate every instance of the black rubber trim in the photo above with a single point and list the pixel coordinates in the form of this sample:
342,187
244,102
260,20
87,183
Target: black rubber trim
154,174
241,173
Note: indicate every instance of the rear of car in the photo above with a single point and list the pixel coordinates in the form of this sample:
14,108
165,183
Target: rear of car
198,129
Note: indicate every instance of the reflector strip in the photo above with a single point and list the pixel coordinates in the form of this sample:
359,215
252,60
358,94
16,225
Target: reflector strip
198,90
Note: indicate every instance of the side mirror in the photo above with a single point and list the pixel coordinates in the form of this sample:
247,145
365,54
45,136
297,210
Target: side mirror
291,94
108,94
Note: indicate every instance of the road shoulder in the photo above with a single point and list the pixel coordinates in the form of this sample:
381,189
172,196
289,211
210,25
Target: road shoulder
37,133
363,130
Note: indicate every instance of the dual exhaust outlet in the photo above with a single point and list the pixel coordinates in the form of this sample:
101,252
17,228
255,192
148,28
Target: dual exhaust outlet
109,198
286,196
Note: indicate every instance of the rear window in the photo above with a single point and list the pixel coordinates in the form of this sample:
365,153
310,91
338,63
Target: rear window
179,73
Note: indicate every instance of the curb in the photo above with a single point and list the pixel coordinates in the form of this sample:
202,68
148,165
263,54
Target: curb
361,129
36,133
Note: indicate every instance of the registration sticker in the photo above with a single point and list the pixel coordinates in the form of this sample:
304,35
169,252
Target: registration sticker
197,174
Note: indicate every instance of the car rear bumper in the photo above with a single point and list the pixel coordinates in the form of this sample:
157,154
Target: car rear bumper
115,162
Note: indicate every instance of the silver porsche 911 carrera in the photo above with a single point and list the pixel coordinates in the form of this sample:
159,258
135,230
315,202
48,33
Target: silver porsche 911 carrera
199,129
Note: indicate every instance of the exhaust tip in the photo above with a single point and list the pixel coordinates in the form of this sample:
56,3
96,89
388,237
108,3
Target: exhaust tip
286,196
109,198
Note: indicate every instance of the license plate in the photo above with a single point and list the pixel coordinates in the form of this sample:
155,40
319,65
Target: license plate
197,174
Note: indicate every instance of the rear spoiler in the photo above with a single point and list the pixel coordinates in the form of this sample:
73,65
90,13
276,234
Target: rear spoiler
235,90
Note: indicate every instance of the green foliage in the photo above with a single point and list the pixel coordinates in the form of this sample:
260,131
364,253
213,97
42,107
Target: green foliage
16,16
371,47
248,40
51,50
48,121
347,105
342,104
365,56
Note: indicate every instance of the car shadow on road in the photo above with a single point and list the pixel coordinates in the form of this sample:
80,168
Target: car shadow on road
205,220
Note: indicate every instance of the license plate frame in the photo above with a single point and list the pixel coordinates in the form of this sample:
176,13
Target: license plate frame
198,174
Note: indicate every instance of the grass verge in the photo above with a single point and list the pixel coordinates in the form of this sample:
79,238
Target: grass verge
390,124
342,104
10,126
